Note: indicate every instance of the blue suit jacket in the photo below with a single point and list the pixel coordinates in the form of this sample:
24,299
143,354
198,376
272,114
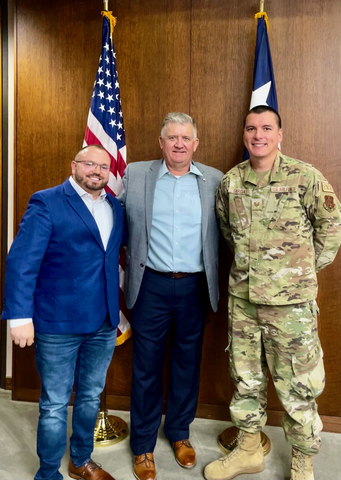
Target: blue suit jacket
58,272
137,198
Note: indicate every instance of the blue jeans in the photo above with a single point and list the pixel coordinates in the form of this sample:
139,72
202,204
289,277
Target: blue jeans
64,360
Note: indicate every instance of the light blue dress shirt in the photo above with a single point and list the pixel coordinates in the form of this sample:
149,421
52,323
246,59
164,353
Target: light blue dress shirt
175,238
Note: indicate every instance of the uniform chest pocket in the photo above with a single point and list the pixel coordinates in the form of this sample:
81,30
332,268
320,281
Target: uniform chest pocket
284,211
274,208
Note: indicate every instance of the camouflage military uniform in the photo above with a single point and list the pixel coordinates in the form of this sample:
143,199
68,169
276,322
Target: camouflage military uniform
282,230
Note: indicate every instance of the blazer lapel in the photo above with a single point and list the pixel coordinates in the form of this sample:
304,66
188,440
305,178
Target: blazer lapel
202,185
151,179
114,230
82,210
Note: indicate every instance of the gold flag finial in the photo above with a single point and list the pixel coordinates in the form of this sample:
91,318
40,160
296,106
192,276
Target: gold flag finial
261,6
106,5
263,14
112,21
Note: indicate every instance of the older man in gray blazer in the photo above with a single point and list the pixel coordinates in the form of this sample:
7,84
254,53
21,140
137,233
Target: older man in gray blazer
171,278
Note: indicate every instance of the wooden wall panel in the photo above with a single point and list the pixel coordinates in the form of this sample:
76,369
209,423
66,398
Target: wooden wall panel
152,42
195,56
223,39
58,51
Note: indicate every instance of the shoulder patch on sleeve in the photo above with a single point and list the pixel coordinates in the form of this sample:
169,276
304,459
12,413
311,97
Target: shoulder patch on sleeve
329,203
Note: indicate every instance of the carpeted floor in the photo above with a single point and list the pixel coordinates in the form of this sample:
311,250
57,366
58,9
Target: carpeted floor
18,460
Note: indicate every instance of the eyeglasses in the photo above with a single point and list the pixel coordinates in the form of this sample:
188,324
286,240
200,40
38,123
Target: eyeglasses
88,164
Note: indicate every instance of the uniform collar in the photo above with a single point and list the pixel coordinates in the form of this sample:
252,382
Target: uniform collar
249,175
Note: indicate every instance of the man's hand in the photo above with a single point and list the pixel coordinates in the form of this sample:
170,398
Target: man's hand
23,335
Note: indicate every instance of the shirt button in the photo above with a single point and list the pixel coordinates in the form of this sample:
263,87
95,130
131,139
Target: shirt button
176,243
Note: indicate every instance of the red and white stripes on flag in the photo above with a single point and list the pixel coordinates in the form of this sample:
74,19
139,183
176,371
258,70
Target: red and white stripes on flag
105,127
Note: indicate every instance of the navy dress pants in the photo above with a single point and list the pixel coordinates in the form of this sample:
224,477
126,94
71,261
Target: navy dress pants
180,306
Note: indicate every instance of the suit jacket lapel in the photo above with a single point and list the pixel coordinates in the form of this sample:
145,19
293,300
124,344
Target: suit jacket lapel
151,179
202,185
114,230
82,210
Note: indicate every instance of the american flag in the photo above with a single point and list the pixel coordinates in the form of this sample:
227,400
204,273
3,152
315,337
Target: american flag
105,127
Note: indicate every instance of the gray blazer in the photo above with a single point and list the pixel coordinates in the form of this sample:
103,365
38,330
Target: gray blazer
137,199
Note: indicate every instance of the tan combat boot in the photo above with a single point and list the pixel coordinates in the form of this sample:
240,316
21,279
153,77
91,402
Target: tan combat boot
301,466
247,457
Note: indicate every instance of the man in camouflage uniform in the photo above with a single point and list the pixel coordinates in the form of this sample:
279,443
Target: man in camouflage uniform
282,220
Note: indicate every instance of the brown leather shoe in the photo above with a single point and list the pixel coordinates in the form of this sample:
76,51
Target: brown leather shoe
89,471
184,453
144,467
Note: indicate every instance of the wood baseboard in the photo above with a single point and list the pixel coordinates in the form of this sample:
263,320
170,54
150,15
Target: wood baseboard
8,383
213,412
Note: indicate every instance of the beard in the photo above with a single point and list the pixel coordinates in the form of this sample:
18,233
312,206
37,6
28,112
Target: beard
87,184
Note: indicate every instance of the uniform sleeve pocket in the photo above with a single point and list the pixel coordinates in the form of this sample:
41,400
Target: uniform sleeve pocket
239,218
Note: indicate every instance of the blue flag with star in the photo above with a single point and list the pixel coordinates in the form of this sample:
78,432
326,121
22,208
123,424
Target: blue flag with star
264,88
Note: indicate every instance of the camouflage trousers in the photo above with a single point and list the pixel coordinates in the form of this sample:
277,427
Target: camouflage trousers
285,340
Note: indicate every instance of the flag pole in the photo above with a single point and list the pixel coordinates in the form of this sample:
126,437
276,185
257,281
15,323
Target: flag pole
261,5
109,429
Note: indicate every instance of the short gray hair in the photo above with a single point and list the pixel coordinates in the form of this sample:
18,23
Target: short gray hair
178,117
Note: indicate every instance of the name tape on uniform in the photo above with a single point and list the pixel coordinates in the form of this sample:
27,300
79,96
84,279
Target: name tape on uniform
283,189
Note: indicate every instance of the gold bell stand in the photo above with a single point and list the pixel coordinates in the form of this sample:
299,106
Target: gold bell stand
109,429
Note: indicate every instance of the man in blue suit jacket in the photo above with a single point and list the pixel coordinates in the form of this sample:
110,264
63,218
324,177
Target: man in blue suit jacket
171,277
62,273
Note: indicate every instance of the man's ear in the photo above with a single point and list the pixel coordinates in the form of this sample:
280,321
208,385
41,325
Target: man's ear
280,135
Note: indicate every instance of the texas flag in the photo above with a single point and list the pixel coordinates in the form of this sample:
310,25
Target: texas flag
264,88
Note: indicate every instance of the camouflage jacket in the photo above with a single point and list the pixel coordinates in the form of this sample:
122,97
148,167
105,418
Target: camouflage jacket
282,231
